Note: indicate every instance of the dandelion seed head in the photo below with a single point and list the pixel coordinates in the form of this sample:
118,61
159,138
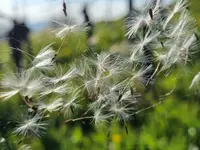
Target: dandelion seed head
135,23
25,83
140,43
52,106
144,18
99,102
46,64
70,74
121,112
71,103
31,126
60,89
45,53
179,6
138,76
66,30
184,26
100,118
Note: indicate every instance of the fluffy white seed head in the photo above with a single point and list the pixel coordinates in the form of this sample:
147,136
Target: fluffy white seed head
101,118
44,59
71,103
179,6
31,126
66,29
45,53
58,89
53,106
25,83
70,74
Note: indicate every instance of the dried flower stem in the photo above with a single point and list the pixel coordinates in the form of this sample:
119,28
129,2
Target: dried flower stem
147,108
153,74
78,119
135,113
26,100
28,103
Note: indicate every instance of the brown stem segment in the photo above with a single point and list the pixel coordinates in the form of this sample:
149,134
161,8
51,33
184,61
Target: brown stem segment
28,103
26,100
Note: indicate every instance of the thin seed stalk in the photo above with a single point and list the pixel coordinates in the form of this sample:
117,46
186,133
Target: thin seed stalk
78,119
